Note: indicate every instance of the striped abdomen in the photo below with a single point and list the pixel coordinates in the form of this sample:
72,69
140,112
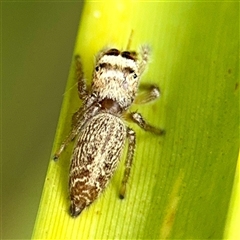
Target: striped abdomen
95,158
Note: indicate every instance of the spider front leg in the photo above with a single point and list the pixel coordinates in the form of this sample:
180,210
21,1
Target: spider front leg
82,87
83,94
150,94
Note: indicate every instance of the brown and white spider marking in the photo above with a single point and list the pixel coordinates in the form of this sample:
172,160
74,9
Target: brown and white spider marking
99,125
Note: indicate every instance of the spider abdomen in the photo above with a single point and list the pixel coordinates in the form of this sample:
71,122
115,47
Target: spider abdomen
95,158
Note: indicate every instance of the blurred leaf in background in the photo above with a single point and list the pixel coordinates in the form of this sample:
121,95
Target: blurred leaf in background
37,40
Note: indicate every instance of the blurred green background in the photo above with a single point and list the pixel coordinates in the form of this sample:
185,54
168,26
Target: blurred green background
37,45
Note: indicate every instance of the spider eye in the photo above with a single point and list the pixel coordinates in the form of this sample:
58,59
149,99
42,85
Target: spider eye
134,75
97,68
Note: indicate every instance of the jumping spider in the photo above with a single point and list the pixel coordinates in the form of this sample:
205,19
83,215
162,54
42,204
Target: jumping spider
99,125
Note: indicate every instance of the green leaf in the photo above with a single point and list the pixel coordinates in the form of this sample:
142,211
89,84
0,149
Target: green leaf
232,223
180,184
